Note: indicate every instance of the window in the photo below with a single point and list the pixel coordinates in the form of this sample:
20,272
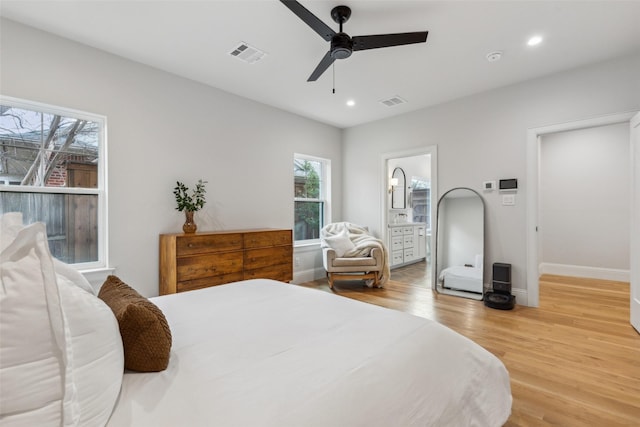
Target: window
52,170
311,177
421,200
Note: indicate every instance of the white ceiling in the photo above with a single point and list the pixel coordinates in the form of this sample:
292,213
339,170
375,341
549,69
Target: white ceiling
193,39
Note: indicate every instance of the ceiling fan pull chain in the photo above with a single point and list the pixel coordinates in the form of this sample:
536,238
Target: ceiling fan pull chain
334,78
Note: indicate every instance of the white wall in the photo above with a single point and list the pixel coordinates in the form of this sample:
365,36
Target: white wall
163,128
584,198
483,137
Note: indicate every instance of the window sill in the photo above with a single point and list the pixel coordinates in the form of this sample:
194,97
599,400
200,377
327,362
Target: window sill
97,276
307,246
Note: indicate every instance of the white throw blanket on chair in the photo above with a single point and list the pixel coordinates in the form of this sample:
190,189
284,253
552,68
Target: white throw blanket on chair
363,243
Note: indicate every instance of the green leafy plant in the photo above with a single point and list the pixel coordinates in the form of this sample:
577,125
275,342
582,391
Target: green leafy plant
190,202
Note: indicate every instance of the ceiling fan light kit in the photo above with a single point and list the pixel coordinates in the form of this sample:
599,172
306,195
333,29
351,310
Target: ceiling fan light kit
342,45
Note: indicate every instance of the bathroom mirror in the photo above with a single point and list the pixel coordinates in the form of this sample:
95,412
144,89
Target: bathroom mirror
459,257
399,189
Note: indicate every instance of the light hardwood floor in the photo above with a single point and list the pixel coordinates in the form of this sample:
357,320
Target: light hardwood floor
573,361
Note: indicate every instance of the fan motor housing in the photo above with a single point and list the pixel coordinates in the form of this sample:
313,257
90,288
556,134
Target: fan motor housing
341,46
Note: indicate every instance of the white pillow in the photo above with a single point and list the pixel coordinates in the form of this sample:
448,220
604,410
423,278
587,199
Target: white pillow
37,384
73,276
341,243
98,355
61,350
10,225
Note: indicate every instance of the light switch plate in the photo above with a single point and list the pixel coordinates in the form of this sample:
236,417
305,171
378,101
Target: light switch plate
508,200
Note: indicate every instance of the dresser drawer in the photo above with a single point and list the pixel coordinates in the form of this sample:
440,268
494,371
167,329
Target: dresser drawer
258,258
206,282
201,266
267,238
191,245
282,272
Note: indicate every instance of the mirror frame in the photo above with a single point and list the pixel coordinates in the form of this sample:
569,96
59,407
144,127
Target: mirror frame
437,246
402,185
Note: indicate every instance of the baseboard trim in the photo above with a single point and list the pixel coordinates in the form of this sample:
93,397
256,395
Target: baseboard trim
308,275
583,271
522,297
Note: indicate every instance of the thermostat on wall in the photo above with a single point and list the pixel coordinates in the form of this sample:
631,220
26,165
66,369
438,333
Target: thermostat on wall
508,184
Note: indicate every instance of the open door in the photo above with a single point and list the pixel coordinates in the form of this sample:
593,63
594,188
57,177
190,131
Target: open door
635,222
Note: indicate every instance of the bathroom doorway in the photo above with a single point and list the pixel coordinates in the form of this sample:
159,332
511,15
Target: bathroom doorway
408,213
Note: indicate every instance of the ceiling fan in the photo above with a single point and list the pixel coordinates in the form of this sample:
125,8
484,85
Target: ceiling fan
342,45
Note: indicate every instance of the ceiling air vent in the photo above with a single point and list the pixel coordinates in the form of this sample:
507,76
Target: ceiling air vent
247,53
393,101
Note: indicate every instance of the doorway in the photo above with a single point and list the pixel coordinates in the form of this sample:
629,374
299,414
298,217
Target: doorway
420,168
584,182
534,139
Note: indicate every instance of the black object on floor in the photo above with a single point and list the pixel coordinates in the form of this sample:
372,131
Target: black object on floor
499,301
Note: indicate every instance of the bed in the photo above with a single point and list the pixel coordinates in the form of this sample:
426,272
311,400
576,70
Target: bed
466,277
250,353
462,278
265,353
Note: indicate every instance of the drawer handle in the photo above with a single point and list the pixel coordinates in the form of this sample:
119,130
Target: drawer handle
190,245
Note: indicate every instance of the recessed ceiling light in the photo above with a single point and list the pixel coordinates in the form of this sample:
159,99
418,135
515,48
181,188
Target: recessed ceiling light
535,40
351,103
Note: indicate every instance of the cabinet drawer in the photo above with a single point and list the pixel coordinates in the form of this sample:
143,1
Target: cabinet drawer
282,272
396,231
209,281
201,266
408,241
191,245
397,243
397,258
261,239
407,230
408,255
258,258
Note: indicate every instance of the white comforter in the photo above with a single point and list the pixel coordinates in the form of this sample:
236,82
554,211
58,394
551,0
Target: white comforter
265,353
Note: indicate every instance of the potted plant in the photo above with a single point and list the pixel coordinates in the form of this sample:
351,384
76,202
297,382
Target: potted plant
189,202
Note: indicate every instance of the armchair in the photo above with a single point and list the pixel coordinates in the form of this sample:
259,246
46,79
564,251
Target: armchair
351,253
347,268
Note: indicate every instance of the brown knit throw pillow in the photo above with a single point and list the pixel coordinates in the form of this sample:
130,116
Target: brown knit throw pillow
146,336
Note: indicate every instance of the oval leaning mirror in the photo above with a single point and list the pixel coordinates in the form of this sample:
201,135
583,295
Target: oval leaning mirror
398,189
459,257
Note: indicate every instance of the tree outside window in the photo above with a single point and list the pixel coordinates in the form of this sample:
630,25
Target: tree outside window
51,171
309,197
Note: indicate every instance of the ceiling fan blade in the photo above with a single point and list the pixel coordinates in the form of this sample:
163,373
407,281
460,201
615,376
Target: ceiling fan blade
326,61
388,40
310,19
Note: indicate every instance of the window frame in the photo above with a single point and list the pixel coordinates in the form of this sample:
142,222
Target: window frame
325,195
100,191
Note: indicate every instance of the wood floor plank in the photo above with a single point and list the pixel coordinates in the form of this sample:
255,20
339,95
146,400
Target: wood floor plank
573,361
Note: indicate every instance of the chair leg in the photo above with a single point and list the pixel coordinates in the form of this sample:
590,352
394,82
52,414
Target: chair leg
330,280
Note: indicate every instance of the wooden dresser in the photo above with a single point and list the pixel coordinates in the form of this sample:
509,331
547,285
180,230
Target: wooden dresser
200,260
